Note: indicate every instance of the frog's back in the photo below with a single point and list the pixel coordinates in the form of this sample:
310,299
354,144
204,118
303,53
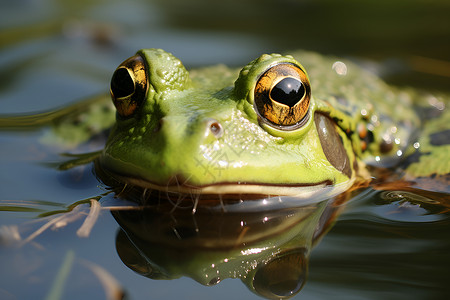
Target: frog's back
389,126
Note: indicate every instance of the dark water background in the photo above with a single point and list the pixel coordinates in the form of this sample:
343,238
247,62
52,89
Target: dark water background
53,53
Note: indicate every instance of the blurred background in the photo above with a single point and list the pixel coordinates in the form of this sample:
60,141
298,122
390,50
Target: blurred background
53,52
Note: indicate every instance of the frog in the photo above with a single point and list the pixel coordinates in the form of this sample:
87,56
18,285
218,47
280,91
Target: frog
271,142
267,129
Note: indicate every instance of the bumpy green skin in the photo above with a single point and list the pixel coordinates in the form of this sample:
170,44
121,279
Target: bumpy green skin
433,155
391,114
169,141
170,135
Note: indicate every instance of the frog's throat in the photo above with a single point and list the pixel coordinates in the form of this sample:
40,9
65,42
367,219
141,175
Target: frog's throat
304,191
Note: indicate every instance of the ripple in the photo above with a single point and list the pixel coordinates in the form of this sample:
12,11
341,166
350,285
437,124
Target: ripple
402,206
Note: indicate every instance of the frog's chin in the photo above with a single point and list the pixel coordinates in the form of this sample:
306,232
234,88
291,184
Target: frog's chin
253,190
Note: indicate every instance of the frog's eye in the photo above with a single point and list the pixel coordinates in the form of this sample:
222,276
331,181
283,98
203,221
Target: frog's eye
129,85
282,96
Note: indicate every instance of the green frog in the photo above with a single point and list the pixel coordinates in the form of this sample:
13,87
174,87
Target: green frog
253,152
299,125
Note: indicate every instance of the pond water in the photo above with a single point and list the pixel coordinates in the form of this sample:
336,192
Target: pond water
55,53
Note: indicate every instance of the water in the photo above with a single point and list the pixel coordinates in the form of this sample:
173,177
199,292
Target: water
54,53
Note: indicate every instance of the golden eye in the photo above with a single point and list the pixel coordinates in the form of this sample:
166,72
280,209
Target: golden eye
282,96
129,85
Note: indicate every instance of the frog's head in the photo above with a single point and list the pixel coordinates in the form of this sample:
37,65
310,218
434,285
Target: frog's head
223,132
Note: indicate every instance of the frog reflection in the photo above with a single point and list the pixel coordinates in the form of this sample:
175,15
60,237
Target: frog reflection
268,249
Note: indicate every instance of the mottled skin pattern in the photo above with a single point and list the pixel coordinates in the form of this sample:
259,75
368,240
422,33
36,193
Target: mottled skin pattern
389,126
393,119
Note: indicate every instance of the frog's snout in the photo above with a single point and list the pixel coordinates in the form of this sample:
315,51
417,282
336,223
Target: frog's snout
197,131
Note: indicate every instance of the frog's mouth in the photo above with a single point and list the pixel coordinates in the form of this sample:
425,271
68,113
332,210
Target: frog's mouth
237,192
230,188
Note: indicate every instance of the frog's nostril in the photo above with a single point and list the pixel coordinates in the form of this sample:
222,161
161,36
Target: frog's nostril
215,128
158,126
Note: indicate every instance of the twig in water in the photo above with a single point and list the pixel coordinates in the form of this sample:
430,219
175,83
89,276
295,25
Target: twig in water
90,220
111,286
